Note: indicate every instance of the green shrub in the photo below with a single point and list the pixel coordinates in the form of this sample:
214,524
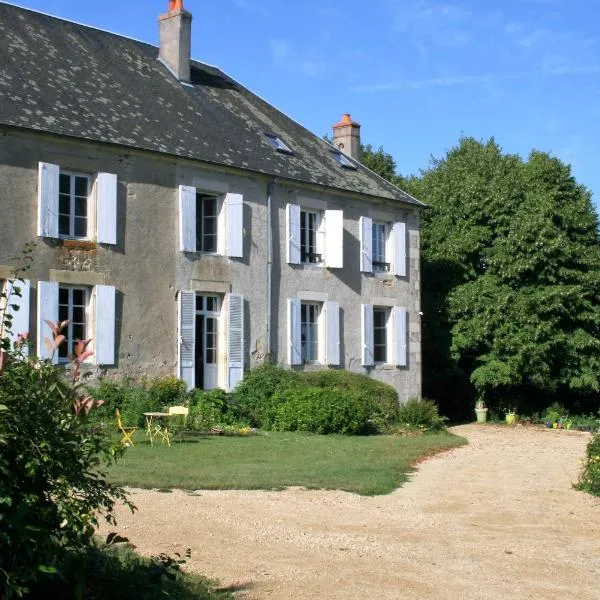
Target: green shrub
52,485
420,414
252,398
167,391
209,409
321,410
381,397
589,480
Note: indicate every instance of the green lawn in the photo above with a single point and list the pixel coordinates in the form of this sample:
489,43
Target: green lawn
368,465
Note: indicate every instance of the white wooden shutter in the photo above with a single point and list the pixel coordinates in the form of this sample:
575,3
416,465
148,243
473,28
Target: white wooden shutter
20,317
187,218
104,341
334,239
47,310
294,332
48,177
366,244
235,340
234,219
367,334
106,208
400,335
332,315
186,305
293,233
399,245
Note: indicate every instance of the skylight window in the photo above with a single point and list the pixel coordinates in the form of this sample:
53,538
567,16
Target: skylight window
343,161
278,144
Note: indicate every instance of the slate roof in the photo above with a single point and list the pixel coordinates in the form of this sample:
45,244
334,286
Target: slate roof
69,79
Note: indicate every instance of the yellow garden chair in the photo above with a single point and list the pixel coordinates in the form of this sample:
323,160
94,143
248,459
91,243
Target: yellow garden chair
175,411
126,432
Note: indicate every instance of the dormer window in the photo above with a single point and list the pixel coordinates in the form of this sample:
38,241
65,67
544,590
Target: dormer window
343,161
278,144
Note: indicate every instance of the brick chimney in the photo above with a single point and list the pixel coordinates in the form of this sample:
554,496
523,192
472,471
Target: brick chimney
175,39
346,137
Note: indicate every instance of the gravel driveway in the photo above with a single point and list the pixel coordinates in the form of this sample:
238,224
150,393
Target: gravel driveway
495,519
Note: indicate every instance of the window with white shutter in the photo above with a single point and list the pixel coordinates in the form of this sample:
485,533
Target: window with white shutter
293,233
234,219
47,310
66,204
400,335
187,218
294,332
399,249
235,340
366,239
334,239
332,315
367,334
186,305
16,302
104,333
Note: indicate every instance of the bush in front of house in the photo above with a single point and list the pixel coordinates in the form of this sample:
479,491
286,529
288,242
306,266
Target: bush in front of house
382,398
589,480
210,408
321,410
252,398
417,413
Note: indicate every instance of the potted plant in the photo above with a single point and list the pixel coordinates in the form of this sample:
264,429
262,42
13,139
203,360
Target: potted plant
481,411
510,416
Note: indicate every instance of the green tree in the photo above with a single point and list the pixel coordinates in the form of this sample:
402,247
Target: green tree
511,273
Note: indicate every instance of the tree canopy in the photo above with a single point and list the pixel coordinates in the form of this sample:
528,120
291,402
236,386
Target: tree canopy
510,280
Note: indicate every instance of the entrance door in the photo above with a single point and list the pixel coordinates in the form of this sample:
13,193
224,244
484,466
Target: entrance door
207,317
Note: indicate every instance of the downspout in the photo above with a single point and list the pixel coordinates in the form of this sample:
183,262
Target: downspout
270,187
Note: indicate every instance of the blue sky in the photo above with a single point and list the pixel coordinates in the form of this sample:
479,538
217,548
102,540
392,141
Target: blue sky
415,73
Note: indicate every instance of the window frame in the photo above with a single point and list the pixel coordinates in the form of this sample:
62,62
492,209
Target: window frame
385,311
68,329
311,254
317,327
72,204
378,265
201,234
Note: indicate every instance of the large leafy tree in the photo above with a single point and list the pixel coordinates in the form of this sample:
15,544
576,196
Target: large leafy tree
511,279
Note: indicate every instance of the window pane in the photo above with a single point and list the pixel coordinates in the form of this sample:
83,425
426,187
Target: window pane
380,316
63,225
210,206
64,184
309,332
81,207
78,314
63,295
78,333
80,227
199,302
81,185
64,204
79,297
210,243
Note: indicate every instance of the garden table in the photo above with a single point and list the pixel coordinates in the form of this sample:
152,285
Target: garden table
157,426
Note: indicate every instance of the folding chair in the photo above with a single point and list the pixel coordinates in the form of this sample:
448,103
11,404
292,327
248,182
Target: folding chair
126,432
181,411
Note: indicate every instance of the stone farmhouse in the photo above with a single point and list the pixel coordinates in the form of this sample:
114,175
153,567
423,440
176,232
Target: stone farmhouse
187,226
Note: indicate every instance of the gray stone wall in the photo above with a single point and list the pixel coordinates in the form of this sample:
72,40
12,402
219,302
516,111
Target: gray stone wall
147,268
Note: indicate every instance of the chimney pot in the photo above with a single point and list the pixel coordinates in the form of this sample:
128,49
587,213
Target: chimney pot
346,137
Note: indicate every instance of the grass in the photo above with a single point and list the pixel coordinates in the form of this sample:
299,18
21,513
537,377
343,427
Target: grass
366,465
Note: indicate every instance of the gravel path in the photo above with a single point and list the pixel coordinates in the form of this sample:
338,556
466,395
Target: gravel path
495,519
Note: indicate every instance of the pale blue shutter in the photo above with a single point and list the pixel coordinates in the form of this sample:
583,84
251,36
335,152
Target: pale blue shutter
104,342
332,315
186,304
20,317
399,245
48,177
187,218
235,340
400,318
367,334
106,208
47,310
366,244
334,239
234,220
293,233
294,337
